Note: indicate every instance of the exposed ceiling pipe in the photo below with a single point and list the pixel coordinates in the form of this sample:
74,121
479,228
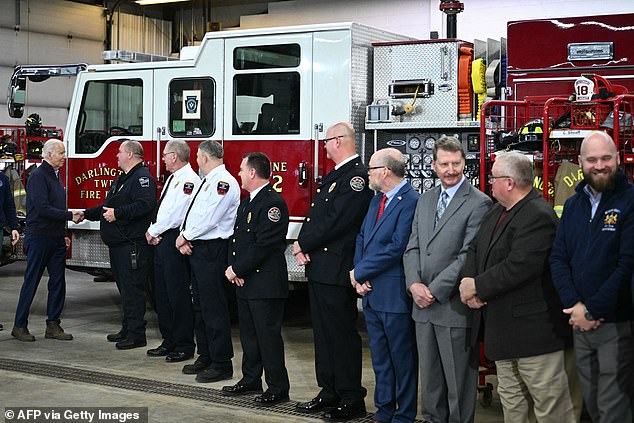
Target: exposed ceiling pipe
451,9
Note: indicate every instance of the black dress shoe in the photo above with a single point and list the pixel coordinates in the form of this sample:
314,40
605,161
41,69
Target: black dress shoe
267,399
241,388
316,404
1,327
198,366
347,411
213,375
128,344
117,337
178,356
159,351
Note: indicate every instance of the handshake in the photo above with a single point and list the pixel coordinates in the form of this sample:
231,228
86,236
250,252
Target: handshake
78,216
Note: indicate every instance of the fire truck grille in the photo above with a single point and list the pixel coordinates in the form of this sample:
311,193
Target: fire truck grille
208,395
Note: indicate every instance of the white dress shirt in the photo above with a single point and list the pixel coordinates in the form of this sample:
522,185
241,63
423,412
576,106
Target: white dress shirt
213,209
182,187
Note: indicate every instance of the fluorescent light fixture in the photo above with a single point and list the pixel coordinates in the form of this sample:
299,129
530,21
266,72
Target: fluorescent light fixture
148,2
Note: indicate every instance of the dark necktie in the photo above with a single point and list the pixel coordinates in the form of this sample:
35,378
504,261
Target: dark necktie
440,208
381,208
158,205
192,203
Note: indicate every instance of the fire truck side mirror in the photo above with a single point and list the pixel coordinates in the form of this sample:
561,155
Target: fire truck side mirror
17,98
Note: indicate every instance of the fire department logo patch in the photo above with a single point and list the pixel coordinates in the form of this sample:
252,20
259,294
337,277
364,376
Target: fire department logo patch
274,214
357,183
222,188
144,181
610,219
188,187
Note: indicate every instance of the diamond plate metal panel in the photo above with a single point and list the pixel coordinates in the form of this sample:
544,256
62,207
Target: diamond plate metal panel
87,249
362,78
436,61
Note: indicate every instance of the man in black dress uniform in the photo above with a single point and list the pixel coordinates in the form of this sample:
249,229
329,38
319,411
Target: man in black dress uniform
326,246
124,217
257,267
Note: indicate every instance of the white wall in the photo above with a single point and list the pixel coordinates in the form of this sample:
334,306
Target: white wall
481,19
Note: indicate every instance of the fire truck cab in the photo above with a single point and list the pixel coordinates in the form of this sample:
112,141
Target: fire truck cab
273,90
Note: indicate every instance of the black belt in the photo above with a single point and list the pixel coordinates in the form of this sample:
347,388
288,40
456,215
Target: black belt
209,241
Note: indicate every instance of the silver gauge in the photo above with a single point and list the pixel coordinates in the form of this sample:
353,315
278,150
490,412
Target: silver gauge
427,159
430,142
416,159
428,184
414,143
416,183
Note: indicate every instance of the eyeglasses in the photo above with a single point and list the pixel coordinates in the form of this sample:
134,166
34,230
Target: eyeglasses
325,140
169,152
493,178
377,167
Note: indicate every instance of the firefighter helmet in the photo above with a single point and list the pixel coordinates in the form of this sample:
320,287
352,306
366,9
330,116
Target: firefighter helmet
33,125
530,136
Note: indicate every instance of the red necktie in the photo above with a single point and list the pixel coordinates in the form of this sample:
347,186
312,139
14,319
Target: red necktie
381,208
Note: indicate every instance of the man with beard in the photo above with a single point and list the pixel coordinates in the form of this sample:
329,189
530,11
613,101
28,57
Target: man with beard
592,261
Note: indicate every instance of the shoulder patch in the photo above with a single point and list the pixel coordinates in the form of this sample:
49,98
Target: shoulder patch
274,214
188,187
222,187
144,181
357,183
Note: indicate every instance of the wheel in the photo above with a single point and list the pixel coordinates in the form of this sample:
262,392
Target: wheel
487,395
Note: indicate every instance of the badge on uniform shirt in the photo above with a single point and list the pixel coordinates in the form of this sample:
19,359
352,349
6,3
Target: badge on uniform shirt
332,187
249,217
222,187
188,187
144,181
274,214
357,183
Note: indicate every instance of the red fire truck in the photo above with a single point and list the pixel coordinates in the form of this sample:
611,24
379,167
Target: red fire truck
276,90
566,77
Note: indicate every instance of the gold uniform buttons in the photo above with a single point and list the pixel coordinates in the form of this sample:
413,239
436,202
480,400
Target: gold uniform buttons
312,204
318,190
257,270
234,253
325,248
308,219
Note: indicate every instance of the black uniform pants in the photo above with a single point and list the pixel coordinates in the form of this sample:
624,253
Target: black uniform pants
131,283
262,345
212,324
333,310
173,295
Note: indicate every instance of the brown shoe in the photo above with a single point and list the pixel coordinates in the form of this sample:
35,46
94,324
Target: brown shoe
55,331
22,334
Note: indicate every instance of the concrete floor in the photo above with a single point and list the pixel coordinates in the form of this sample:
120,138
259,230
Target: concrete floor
85,372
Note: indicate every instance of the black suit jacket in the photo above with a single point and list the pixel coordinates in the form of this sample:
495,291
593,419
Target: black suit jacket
256,249
523,314
330,229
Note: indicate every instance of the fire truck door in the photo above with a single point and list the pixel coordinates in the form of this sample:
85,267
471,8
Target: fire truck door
188,103
268,82
106,106
332,85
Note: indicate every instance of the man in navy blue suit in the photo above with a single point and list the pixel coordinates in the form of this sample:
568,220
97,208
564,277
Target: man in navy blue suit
379,277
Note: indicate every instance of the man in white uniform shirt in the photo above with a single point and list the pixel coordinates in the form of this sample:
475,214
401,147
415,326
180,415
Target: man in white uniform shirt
206,229
171,268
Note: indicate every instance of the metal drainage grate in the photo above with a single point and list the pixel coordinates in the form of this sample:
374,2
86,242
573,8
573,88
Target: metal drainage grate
208,395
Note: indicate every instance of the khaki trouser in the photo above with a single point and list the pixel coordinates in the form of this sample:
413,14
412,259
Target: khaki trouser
536,385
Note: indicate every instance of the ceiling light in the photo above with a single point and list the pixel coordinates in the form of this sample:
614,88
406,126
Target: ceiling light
148,2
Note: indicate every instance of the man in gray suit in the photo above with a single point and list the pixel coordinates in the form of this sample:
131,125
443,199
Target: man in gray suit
446,221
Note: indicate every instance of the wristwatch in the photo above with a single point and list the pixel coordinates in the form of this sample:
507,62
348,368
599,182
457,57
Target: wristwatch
587,314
